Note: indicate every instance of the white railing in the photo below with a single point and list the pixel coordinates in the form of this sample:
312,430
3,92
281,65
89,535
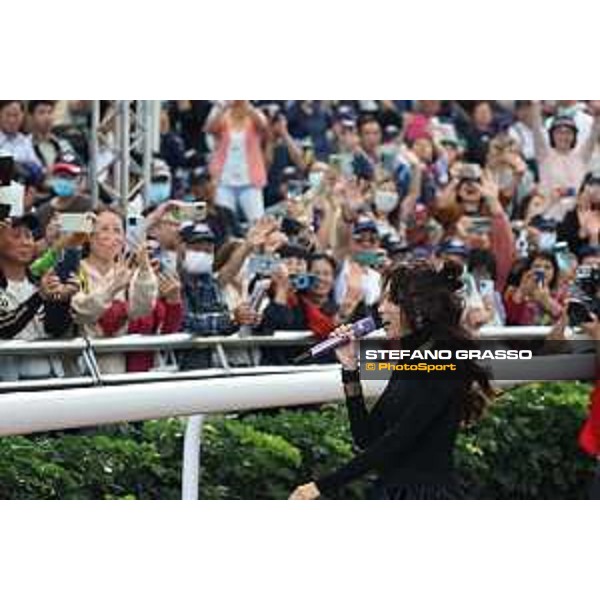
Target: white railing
143,396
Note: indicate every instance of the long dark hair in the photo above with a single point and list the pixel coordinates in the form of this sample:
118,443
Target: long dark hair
433,308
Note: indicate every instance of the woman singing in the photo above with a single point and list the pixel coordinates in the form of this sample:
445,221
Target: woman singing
407,437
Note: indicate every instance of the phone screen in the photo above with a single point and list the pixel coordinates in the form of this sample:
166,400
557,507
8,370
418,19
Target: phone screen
6,169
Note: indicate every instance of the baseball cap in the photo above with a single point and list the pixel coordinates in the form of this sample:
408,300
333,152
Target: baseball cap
363,225
66,168
160,169
193,233
453,247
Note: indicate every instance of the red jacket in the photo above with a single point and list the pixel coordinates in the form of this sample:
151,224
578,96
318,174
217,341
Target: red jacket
589,438
165,318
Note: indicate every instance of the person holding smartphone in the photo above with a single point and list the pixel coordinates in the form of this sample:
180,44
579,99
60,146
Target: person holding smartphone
238,163
115,289
537,298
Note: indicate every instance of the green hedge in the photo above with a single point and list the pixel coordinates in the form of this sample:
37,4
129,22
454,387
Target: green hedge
525,448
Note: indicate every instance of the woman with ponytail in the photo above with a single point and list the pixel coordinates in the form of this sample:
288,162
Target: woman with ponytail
407,437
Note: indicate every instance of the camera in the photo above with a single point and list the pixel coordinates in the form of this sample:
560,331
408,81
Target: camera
11,192
584,301
302,282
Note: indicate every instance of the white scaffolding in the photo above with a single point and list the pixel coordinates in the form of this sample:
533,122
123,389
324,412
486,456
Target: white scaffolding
122,143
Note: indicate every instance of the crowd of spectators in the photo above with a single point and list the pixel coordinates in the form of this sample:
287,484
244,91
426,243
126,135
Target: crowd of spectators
271,215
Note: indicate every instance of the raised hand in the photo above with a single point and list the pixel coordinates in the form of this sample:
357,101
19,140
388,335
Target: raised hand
346,353
169,288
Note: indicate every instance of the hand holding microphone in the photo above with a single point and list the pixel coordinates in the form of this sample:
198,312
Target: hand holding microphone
346,353
343,341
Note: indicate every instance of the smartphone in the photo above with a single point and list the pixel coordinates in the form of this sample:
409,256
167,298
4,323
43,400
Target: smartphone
190,211
539,276
136,232
480,225
261,287
69,265
11,197
76,222
7,168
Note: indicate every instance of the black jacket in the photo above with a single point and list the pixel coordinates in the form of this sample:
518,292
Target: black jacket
407,438
57,315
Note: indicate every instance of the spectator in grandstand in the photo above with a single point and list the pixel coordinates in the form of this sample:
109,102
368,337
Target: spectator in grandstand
282,151
205,310
221,219
166,317
115,289
311,119
535,298
300,300
12,140
581,225
172,146
29,310
479,218
238,162
522,132
66,184
562,163
478,131
188,118
358,284
161,183
162,226
49,148
509,171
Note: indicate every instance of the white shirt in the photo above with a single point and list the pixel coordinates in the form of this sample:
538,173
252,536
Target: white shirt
370,283
19,146
235,170
26,367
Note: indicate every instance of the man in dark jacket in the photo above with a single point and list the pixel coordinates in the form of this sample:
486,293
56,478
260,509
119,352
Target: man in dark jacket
29,310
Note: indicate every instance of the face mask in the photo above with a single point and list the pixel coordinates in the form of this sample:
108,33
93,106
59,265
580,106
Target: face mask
315,179
198,263
386,202
159,192
63,188
547,240
302,282
368,258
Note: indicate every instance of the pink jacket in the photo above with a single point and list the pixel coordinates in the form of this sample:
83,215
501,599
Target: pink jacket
256,166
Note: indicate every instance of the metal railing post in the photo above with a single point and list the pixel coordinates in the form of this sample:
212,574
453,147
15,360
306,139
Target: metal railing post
192,442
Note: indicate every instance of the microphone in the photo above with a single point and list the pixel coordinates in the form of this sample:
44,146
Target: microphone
359,329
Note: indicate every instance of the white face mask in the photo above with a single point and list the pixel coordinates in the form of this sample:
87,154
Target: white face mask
386,202
198,263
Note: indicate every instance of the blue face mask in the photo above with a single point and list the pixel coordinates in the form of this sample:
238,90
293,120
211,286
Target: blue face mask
159,192
63,187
